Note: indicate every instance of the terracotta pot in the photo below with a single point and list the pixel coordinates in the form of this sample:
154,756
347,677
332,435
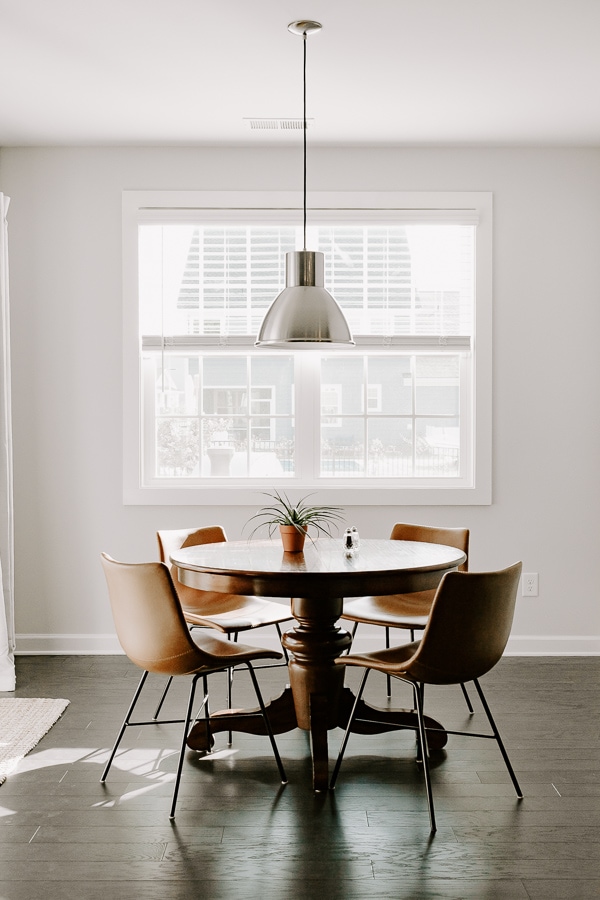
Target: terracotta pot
292,539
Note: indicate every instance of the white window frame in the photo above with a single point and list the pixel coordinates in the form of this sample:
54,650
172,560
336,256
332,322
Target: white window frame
471,206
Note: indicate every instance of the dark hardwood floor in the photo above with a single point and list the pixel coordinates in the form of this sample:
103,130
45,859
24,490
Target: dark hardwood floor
240,834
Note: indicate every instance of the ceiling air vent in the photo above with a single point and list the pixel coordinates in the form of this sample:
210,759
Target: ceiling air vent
277,124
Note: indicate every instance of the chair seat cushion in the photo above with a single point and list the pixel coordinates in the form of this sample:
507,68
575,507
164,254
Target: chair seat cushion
393,611
219,652
391,660
231,613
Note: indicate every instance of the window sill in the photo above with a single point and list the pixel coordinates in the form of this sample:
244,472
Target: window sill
228,494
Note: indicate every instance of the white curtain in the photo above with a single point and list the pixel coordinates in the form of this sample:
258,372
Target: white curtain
7,618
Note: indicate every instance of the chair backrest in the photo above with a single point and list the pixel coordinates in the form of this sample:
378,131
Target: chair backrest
468,626
451,537
148,618
170,541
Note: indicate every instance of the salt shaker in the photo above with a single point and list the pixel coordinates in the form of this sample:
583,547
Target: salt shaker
348,543
355,538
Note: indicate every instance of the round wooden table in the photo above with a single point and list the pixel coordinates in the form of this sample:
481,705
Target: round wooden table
316,581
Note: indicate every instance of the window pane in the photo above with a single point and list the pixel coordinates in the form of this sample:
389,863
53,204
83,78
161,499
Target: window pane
207,279
224,443
437,446
343,448
272,447
390,385
272,379
177,447
368,269
437,385
342,385
389,279
176,384
390,448
224,384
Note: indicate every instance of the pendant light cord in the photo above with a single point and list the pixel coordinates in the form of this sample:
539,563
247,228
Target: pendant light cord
304,36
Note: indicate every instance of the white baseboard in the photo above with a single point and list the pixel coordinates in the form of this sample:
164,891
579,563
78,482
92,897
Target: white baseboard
518,645
553,645
107,644
67,645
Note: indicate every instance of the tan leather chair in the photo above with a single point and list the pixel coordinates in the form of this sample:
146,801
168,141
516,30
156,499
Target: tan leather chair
409,611
153,633
228,613
466,633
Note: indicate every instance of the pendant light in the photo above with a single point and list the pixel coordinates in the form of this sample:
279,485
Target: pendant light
304,313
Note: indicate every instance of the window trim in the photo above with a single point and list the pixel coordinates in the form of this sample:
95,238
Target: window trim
467,207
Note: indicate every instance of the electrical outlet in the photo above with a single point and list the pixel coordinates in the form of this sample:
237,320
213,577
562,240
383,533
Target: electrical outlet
529,586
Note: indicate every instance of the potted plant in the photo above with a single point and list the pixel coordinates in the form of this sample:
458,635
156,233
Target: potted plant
294,519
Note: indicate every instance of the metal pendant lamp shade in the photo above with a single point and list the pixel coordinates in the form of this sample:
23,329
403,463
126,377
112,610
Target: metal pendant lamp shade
304,313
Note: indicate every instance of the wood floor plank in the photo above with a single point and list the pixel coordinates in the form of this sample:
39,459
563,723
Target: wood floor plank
78,852
275,889
152,832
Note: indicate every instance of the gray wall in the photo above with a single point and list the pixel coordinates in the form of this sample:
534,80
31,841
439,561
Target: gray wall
65,258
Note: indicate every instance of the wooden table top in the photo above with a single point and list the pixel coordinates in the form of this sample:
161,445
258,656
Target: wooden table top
261,568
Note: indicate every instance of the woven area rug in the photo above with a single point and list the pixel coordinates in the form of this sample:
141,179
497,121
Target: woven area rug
23,723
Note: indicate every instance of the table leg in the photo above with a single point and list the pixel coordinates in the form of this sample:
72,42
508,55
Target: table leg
316,682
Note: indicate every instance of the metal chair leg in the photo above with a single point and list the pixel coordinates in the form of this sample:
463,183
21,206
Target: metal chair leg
162,699
186,727
285,653
124,726
347,732
230,687
423,742
420,748
205,704
282,774
467,700
387,647
488,713
352,633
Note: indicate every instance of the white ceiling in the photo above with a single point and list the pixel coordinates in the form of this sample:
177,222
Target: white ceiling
401,72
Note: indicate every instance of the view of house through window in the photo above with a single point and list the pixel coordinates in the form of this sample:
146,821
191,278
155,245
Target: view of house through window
395,409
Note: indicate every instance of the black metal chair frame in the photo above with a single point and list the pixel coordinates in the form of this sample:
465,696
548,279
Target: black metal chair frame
421,729
233,638
188,722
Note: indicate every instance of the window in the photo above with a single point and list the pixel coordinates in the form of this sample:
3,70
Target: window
404,417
